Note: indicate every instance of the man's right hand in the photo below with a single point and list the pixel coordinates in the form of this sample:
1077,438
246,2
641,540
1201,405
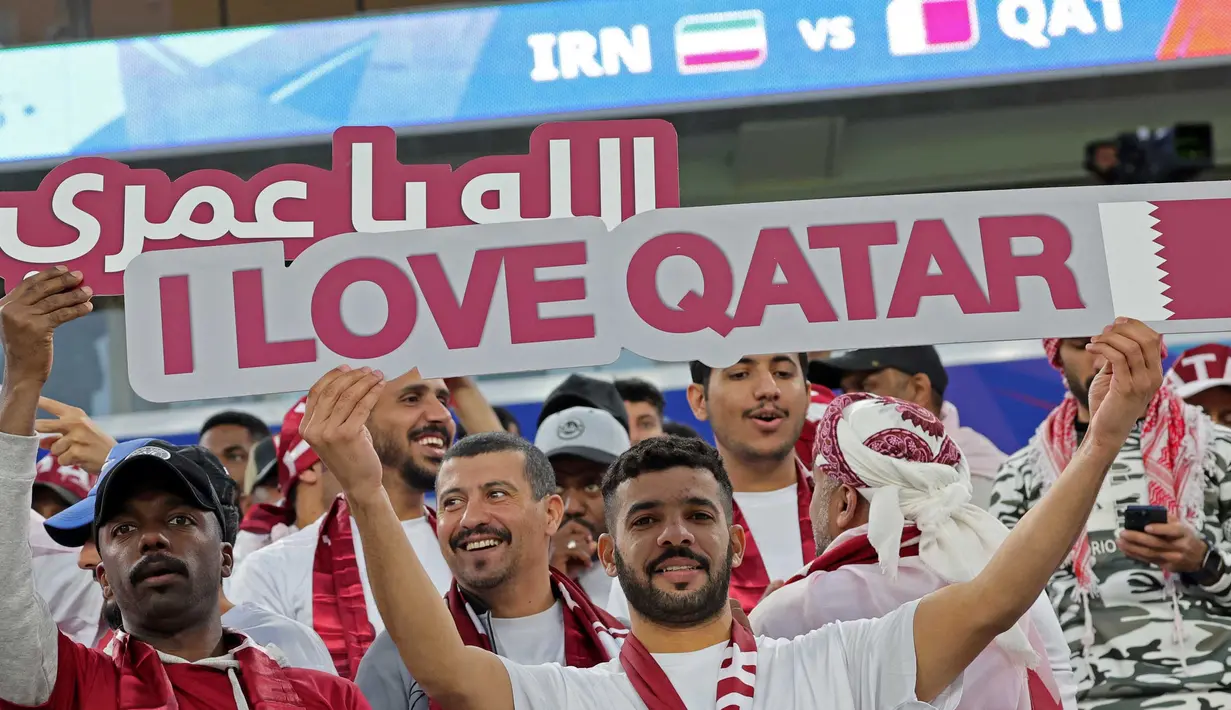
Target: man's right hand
28,315
573,549
335,426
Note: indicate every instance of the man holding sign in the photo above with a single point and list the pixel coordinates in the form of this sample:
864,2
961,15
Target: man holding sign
673,545
1145,595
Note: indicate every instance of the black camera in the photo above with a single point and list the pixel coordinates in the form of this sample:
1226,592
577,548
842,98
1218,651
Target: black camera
1181,152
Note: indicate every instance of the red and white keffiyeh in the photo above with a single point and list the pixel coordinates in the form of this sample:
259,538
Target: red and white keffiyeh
899,457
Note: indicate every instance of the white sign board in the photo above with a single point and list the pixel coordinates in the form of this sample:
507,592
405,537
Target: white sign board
707,283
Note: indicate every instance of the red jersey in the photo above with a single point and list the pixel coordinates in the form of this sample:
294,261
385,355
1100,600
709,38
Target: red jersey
88,679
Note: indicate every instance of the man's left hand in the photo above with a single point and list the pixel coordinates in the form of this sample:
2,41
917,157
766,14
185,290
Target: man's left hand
1173,546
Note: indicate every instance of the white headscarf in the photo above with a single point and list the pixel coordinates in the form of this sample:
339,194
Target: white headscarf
898,456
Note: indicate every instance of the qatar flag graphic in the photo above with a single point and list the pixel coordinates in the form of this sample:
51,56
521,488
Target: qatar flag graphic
1162,257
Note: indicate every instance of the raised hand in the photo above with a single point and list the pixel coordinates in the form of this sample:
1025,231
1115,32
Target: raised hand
28,315
72,436
1131,374
335,426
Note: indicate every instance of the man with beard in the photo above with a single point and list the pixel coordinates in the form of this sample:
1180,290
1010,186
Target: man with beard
1148,611
758,408
894,520
673,545
159,528
317,576
298,644
497,511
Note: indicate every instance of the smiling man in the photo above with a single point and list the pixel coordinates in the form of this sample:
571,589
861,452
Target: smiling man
317,576
498,510
758,408
673,544
159,528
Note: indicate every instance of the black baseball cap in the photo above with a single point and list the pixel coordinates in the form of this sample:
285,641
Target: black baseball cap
911,360
584,391
262,465
189,466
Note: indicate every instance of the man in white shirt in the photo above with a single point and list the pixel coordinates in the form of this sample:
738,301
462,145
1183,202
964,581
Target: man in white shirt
74,528
758,408
317,576
498,510
893,517
915,374
672,544
580,443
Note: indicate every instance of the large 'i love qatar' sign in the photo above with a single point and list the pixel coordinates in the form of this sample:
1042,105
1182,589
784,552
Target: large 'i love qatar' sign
707,283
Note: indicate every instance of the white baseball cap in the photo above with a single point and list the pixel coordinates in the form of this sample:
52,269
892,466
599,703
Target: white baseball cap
592,434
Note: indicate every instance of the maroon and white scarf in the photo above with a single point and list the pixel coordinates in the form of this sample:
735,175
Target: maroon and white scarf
737,675
591,635
144,684
750,580
339,608
857,550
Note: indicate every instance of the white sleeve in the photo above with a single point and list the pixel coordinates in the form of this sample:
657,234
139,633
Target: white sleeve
1043,616
880,660
781,615
552,687
259,583
27,632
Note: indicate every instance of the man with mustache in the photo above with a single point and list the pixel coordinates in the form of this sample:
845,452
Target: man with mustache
580,443
758,408
895,520
74,528
497,511
1147,611
317,576
159,528
673,544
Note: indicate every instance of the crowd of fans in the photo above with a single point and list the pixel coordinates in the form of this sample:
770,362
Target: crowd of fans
865,550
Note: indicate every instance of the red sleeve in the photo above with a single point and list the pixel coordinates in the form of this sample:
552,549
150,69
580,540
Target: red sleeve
84,678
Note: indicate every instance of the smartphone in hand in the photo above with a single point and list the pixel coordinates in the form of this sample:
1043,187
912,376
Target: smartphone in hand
1137,517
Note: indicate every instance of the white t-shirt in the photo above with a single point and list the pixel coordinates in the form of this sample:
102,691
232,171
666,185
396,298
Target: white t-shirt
72,596
531,640
858,665
279,577
774,519
300,644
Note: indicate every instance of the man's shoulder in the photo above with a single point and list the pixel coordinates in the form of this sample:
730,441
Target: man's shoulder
338,693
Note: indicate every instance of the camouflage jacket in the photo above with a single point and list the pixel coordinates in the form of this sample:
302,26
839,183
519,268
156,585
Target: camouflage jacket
1135,659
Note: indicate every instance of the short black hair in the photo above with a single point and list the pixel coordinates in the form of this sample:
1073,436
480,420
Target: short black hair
257,428
538,469
227,491
678,429
701,372
635,389
659,453
506,418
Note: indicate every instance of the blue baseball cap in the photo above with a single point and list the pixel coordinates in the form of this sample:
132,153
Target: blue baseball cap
191,465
